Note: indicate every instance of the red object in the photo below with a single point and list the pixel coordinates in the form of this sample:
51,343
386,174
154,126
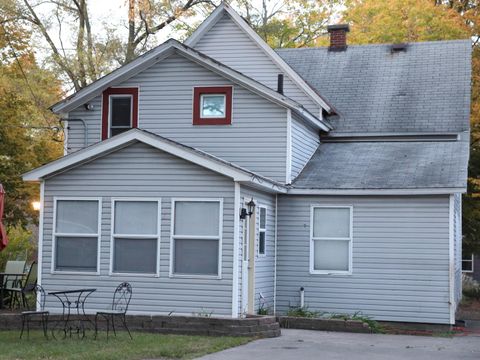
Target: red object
224,90
3,232
106,107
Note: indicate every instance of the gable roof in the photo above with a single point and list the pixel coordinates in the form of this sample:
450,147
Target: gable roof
196,156
440,166
425,89
223,9
163,51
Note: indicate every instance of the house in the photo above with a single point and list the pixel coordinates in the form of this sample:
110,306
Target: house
222,176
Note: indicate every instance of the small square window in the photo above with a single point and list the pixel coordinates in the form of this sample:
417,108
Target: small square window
212,105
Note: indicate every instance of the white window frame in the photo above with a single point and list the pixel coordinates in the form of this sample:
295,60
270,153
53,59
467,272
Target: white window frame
213,116
260,230
130,236
472,261
349,239
55,234
118,96
218,238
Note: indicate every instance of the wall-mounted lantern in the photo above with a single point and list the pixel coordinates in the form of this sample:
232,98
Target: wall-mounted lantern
249,211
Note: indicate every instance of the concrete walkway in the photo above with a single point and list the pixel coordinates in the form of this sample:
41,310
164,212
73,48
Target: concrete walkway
306,344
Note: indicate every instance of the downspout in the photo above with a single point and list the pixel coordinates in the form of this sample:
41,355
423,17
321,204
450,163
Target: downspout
236,244
85,129
275,260
40,241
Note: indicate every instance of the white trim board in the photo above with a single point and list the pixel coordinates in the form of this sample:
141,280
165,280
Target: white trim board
195,156
366,192
451,259
277,60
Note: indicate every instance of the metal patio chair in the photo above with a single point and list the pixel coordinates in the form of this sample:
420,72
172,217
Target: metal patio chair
121,300
39,312
20,291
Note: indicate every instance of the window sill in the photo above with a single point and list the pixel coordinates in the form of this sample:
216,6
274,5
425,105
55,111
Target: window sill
148,275
334,273
192,276
68,272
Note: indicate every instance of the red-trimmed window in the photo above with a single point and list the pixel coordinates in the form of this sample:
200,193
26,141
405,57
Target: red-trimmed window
212,105
119,111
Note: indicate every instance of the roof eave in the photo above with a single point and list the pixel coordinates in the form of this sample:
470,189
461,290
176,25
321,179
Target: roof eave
376,191
195,156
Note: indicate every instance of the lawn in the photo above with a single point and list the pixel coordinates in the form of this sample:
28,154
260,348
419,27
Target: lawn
143,346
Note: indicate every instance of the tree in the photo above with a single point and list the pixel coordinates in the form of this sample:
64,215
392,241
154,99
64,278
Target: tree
96,52
393,21
28,133
290,23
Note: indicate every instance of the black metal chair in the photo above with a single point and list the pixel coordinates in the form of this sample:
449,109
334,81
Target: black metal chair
38,312
121,300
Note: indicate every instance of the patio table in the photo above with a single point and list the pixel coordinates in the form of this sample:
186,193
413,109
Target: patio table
72,301
3,275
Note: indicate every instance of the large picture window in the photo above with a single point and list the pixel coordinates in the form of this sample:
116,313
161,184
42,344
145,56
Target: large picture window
331,240
196,237
76,235
135,236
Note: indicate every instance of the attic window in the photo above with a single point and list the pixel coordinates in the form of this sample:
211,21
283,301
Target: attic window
212,105
120,111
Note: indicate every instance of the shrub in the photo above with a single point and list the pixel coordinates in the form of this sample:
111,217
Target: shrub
471,288
20,246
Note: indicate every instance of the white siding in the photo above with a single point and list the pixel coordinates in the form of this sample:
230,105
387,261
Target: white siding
400,259
227,43
141,171
256,139
264,265
305,141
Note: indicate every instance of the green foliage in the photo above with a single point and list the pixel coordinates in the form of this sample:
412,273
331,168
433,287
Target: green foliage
470,288
143,346
20,246
27,137
358,316
303,312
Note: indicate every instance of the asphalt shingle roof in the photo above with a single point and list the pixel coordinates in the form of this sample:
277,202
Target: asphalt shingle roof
386,165
425,89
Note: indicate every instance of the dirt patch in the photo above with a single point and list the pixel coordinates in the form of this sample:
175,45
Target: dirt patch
469,309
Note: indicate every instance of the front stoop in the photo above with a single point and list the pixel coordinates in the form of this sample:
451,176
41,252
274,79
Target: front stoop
259,327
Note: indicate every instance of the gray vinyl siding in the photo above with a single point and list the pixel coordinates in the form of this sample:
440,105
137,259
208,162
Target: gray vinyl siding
457,231
264,265
305,141
141,171
227,43
256,139
400,259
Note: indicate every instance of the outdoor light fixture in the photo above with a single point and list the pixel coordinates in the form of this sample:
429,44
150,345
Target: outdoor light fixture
36,205
247,212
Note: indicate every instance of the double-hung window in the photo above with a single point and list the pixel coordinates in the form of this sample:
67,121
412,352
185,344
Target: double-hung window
76,235
135,236
196,237
331,240
119,111
262,231
467,264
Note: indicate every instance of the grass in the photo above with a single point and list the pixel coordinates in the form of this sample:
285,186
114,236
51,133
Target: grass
143,346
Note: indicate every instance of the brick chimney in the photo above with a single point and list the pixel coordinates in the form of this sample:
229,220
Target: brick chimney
338,37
